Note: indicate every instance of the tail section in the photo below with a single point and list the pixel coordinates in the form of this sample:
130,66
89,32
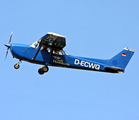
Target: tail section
121,60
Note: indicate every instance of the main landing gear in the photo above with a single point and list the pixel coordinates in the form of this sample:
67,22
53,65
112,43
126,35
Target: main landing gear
16,66
42,70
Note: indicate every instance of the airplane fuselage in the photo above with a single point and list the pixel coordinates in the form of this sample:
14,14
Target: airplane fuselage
26,53
48,51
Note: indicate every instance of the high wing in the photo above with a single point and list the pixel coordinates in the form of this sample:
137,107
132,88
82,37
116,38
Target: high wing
53,40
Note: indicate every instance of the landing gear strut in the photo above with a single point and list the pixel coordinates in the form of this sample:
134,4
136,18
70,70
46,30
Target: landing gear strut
16,66
42,70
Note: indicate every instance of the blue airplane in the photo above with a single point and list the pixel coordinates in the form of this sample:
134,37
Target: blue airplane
48,51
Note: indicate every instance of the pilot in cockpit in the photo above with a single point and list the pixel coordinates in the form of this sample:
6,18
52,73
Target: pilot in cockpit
56,51
44,48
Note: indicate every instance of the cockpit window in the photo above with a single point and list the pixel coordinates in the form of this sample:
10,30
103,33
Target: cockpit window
58,52
46,48
35,44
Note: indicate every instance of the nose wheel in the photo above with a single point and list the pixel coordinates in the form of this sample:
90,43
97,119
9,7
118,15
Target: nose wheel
16,66
42,70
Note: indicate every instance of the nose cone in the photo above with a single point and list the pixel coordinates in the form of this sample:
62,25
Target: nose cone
7,45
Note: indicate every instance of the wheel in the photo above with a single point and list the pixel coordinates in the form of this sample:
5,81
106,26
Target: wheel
16,66
41,71
45,69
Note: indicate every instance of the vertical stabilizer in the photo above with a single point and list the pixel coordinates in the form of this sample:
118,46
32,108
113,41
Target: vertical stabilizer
121,59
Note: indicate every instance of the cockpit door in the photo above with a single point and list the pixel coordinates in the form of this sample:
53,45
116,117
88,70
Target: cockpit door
58,58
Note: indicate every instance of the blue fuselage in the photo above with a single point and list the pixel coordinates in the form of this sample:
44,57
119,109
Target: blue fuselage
26,53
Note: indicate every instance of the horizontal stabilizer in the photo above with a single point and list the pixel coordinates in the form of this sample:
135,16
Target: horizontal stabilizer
113,69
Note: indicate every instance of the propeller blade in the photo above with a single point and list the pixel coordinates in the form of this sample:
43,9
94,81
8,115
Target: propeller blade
7,53
8,45
10,37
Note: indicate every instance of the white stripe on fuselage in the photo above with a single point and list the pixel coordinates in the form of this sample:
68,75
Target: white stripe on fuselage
87,64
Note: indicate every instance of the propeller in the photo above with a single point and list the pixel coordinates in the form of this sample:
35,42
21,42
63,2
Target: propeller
8,45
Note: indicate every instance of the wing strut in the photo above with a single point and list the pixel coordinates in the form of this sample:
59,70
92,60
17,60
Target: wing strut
37,50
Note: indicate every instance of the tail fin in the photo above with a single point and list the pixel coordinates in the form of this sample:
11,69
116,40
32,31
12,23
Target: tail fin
121,59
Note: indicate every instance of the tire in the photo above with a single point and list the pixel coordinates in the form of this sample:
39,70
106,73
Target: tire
41,71
45,69
16,66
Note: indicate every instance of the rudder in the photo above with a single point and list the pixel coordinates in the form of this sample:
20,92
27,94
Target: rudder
121,59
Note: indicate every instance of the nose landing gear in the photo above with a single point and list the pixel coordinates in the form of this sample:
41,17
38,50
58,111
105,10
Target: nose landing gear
42,70
16,66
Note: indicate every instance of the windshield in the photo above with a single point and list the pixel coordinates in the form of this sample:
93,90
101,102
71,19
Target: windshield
35,44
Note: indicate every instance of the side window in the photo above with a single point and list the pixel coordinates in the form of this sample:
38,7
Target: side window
58,52
41,48
45,48
48,50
